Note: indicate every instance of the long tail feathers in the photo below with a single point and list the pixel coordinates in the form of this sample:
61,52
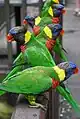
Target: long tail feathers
69,98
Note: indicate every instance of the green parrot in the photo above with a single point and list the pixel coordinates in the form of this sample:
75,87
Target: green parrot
39,23
33,54
41,30
47,6
49,35
39,79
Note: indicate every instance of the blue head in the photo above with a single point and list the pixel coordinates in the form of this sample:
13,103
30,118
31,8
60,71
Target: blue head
29,20
56,30
16,34
69,67
58,6
57,13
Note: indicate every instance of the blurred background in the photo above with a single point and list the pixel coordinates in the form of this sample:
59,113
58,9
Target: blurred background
12,12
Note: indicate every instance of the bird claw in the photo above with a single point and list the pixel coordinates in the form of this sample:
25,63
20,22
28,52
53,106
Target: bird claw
37,105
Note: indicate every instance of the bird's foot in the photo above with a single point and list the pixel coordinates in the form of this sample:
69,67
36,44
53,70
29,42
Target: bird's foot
37,105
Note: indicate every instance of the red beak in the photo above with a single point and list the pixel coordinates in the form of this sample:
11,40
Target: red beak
62,32
10,38
76,71
63,11
25,22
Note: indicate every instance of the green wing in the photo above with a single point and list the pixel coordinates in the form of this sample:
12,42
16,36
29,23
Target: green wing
45,8
28,81
58,49
37,54
13,71
45,21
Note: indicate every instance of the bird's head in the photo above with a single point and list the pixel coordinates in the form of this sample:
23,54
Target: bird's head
59,7
57,13
16,34
69,67
56,30
29,20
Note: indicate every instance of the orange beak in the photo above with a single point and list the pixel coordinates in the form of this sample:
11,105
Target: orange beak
55,20
63,11
10,38
25,22
62,32
76,71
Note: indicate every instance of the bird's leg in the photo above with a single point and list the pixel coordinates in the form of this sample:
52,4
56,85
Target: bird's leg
31,99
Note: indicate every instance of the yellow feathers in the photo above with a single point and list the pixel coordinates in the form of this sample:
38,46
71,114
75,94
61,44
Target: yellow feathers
60,72
48,31
37,20
50,11
27,36
56,1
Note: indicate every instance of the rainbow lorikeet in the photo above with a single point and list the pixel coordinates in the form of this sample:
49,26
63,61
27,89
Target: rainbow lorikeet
51,11
49,35
47,5
39,79
32,51
39,23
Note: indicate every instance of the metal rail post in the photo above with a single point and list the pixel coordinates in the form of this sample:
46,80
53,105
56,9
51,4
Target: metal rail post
8,25
23,10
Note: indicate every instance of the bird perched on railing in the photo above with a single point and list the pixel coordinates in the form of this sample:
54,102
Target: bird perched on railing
39,79
39,23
